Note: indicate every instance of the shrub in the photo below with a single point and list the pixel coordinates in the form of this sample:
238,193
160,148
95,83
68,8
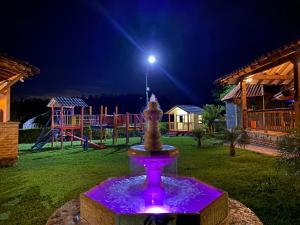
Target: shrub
29,135
236,136
163,127
290,153
198,135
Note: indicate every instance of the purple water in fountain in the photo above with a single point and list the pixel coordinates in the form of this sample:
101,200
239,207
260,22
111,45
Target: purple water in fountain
126,195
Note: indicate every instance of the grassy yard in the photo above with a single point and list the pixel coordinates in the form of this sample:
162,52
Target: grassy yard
43,181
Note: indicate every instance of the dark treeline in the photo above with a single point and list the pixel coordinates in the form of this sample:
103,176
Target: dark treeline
23,109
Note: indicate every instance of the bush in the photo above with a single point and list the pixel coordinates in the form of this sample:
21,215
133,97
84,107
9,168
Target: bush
236,136
164,128
290,153
29,135
198,135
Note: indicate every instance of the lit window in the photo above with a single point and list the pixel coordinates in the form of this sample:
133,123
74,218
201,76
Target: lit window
199,119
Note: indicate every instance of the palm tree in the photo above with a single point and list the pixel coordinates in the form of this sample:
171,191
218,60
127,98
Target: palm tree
198,134
236,136
210,115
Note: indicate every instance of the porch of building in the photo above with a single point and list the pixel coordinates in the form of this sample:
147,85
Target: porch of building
281,69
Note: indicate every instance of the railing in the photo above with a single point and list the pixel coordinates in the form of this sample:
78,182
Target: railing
184,126
274,119
68,120
135,120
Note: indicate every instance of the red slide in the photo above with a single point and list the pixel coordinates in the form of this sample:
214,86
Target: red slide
99,146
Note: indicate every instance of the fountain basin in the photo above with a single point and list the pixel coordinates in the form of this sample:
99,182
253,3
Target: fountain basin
107,202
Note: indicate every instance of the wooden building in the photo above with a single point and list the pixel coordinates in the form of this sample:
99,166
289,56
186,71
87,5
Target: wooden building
276,80
11,71
184,118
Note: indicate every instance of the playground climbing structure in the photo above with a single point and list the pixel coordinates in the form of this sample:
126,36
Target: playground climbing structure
66,124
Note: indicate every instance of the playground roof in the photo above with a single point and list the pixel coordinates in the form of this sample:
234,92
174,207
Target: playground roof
187,108
13,70
66,102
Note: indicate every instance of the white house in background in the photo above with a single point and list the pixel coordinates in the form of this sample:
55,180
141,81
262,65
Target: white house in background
184,118
38,121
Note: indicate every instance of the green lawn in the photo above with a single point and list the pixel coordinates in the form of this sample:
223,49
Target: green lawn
43,181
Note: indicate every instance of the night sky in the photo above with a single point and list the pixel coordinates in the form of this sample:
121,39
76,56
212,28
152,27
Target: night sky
93,47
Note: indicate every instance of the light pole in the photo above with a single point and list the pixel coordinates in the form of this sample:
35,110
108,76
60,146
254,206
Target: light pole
151,60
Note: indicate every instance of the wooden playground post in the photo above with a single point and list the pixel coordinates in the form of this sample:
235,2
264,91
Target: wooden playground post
114,128
52,125
105,115
127,128
81,123
100,123
90,123
62,127
72,130
135,118
117,115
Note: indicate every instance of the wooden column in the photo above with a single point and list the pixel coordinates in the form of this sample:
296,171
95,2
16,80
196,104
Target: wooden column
100,123
81,123
7,112
72,131
105,115
297,90
127,128
117,116
62,127
90,123
52,125
244,103
169,119
188,121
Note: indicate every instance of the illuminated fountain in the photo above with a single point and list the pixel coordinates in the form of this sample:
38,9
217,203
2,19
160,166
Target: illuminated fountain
118,200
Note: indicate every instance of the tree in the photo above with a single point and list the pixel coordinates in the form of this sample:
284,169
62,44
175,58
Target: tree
236,136
219,91
198,135
210,115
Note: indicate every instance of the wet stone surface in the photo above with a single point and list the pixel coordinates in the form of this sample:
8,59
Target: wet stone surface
68,214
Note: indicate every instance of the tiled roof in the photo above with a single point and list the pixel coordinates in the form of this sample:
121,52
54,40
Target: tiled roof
285,95
188,108
251,91
66,102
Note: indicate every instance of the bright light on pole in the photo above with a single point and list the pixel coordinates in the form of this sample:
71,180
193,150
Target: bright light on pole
151,60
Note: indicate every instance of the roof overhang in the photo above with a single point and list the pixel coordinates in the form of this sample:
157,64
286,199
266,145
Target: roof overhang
184,108
13,70
66,102
251,91
274,68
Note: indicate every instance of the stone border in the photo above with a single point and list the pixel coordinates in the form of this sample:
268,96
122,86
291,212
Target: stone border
68,214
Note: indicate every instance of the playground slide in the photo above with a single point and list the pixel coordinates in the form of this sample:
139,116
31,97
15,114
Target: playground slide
99,146
44,139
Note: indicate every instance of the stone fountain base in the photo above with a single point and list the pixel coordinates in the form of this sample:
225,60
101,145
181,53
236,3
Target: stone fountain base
68,214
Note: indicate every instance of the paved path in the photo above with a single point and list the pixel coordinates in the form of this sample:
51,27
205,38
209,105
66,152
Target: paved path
263,150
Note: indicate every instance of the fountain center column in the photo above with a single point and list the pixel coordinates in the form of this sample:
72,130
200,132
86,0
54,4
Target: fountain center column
153,174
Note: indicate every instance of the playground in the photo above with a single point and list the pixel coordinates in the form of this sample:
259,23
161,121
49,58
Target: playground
45,180
66,125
